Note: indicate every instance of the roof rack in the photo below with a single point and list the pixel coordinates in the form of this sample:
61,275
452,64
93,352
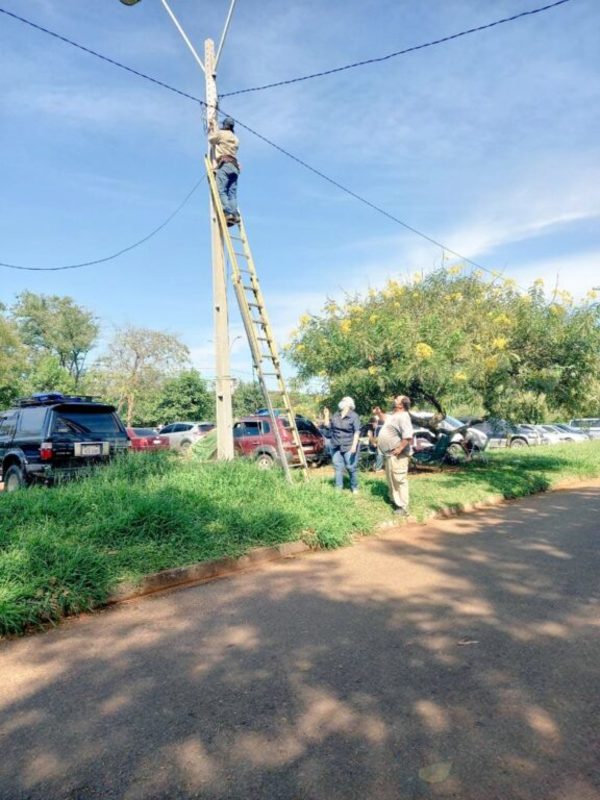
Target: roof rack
53,398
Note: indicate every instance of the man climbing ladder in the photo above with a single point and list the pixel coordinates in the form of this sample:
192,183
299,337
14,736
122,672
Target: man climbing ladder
226,145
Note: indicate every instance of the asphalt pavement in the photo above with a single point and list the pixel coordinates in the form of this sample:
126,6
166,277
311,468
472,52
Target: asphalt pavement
459,660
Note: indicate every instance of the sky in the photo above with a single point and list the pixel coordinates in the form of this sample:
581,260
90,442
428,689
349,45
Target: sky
489,144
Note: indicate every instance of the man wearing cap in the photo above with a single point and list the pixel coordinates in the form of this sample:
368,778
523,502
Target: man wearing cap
226,145
394,441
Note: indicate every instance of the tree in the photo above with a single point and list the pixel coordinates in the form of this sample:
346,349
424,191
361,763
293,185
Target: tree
133,371
455,338
185,397
56,326
12,360
247,398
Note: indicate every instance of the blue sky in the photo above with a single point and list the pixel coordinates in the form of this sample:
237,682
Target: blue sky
489,143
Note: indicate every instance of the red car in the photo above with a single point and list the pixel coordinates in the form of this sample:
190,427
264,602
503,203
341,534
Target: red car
253,438
146,439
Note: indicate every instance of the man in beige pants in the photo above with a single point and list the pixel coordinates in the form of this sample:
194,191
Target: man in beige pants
394,442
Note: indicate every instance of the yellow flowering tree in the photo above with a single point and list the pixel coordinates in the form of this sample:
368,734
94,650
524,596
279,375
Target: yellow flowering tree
458,337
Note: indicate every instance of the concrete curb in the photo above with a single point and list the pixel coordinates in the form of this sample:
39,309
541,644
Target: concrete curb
204,571
209,570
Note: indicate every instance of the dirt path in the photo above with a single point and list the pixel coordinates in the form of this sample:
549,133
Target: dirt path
466,651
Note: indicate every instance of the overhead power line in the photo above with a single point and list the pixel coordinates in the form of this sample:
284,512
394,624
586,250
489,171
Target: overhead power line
387,57
97,55
114,255
263,138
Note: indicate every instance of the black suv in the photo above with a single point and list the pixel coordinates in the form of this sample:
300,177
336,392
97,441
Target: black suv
52,435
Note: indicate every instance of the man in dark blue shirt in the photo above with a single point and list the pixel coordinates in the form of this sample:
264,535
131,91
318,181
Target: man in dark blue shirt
345,432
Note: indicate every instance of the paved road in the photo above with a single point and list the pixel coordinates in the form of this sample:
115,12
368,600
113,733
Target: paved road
471,644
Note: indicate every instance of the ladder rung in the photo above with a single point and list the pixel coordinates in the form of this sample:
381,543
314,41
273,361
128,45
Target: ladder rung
255,305
243,255
249,288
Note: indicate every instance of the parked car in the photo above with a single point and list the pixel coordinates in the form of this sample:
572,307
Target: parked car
424,438
536,432
589,425
502,434
48,436
253,438
182,435
146,439
572,434
552,434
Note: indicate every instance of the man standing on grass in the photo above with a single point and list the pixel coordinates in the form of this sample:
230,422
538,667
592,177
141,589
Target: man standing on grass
394,442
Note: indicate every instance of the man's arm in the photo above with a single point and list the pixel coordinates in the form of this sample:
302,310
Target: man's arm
213,132
404,443
356,437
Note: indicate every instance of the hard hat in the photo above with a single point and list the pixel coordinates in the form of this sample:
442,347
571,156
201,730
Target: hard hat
227,124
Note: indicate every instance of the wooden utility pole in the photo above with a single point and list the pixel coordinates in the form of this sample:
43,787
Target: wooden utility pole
224,411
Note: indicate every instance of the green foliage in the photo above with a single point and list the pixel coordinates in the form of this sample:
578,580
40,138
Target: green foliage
247,398
183,397
12,357
58,327
133,371
456,337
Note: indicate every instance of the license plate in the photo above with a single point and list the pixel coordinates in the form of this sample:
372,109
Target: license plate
91,449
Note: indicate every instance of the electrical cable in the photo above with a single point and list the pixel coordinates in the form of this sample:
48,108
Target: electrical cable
119,252
260,136
359,197
387,57
99,55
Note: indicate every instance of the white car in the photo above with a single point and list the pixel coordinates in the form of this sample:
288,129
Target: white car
182,435
550,434
570,434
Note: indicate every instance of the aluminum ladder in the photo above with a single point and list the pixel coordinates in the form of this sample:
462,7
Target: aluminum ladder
257,326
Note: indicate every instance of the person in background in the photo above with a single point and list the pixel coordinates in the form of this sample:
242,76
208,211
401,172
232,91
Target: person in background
345,432
375,426
394,441
226,145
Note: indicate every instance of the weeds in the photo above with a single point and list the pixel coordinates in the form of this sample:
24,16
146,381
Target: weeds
64,550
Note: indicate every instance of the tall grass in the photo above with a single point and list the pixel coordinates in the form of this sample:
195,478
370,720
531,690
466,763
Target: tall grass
65,549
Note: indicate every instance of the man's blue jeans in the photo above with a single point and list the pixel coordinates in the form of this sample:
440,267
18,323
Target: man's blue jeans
345,461
227,181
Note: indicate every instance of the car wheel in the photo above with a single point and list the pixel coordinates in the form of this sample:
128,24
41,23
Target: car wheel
518,443
264,461
185,445
14,479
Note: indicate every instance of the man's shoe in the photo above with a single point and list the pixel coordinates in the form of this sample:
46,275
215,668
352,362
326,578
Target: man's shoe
400,512
354,491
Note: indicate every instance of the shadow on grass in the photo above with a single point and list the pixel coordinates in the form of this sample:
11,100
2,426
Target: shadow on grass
341,675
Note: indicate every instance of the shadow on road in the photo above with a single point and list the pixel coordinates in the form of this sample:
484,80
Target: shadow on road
336,676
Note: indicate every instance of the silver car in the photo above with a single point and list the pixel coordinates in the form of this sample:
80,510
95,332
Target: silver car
569,434
182,435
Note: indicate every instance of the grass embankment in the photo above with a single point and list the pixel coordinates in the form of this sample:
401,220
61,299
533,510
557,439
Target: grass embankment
63,550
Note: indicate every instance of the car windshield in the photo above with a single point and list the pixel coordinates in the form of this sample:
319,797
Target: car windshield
91,421
144,431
